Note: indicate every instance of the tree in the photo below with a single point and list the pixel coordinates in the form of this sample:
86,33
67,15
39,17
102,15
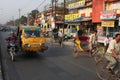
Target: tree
23,20
32,16
33,13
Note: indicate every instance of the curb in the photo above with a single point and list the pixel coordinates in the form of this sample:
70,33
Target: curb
1,66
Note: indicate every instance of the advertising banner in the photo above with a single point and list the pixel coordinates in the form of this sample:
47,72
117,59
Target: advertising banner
78,4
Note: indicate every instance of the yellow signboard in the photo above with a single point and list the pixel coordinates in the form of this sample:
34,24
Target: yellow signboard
77,4
118,11
108,23
71,16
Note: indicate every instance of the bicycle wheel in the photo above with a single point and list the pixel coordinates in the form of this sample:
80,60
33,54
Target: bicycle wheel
12,56
75,52
101,70
117,77
97,55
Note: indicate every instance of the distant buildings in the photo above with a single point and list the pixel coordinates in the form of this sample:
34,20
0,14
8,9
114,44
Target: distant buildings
88,15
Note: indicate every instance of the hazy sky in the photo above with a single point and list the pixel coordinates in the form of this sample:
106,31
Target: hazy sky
10,8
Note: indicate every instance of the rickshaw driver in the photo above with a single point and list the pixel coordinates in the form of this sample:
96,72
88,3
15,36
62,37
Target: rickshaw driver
77,40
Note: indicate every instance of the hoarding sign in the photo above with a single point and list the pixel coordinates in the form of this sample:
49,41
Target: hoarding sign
108,15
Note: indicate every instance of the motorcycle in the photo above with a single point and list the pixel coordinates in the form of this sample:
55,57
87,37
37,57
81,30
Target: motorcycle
12,50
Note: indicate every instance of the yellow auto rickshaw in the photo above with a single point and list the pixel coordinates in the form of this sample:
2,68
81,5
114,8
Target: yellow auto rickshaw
31,39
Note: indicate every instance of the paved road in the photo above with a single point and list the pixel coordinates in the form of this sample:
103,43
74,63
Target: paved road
54,64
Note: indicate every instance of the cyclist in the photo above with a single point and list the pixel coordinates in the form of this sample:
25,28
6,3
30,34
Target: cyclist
93,40
112,53
55,33
60,34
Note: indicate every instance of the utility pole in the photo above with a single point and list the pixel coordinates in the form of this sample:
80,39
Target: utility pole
28,20
19,23
64,15
13,20
52,7
19,17
55,13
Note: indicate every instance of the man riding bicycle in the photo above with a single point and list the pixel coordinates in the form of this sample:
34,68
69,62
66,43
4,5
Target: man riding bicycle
112,53
93,40
60,35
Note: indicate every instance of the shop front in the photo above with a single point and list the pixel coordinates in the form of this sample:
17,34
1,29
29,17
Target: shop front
74,23
109,24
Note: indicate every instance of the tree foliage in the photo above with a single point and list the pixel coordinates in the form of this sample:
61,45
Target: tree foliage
32,16
23,20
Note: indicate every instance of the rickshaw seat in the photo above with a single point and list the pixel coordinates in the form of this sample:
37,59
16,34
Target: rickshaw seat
83,38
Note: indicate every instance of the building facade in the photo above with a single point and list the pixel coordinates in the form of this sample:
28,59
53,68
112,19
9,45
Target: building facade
89,15
109,19
79,16
50,18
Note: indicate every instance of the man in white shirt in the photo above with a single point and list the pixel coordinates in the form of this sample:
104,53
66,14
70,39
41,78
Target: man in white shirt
106,42
112,53
60,34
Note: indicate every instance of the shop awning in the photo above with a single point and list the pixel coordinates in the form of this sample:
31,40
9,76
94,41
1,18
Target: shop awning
81,19
86,19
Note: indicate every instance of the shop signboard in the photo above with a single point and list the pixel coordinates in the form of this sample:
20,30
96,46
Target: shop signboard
71,16
119,22
78,4
101,39
108,15
118,11
108,23
116,5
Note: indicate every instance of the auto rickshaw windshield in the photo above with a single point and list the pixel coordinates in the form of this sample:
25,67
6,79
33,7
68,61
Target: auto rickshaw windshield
32,33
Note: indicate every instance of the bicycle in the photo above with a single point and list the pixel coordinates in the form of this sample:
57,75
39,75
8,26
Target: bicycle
85,45
102,72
